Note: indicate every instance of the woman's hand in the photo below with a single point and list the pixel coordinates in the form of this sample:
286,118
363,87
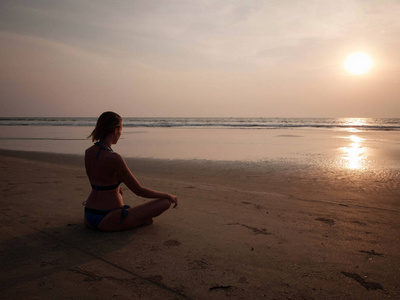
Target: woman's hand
173,199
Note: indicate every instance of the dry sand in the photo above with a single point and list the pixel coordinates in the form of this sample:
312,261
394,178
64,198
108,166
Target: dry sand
241,231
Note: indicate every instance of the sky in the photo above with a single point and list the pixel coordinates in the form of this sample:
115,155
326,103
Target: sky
181,58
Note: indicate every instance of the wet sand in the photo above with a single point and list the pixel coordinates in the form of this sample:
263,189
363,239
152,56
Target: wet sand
243,230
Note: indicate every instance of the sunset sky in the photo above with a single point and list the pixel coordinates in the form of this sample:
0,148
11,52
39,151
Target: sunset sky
198,58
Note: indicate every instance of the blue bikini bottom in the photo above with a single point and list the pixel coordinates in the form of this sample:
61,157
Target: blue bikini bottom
95,216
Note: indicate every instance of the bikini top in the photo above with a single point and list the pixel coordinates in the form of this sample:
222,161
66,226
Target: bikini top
106,187
102,148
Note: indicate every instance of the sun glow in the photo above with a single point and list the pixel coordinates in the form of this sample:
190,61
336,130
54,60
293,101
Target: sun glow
358,63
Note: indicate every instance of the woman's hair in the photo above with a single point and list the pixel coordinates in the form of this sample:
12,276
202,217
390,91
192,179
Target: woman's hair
106,124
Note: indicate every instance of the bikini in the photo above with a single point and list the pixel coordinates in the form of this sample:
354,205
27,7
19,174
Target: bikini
95,216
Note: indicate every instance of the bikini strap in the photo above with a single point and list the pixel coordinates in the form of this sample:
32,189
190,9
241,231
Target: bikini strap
99,143
106,188
124,212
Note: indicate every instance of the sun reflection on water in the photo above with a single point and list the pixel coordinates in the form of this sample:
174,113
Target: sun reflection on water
354,124
354,155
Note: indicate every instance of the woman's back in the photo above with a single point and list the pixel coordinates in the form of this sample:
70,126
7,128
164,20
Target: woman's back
99,165
100,169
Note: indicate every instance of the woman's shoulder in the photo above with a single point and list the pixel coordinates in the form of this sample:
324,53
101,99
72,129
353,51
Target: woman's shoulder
116,161
94,151
114,156
89,150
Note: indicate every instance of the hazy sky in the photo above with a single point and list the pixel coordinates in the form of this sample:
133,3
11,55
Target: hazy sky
271,58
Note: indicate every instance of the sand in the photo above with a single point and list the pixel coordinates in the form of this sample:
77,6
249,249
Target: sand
242,231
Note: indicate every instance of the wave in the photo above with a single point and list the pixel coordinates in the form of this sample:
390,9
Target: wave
47,121
244,123
39,139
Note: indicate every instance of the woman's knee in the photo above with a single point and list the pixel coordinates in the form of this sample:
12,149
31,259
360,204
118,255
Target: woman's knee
165,203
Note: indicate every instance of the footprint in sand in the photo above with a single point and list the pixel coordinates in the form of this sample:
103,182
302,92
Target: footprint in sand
359,223
254,229
255,205
326,221
172,243
367,284
372,252
199,264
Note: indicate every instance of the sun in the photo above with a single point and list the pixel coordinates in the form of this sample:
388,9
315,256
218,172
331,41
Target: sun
358,63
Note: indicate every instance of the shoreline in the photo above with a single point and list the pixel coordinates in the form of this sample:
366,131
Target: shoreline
239,232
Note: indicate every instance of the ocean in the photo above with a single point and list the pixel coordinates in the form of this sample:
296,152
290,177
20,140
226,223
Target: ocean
262,123
353,143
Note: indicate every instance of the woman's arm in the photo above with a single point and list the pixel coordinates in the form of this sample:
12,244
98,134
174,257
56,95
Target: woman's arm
125,175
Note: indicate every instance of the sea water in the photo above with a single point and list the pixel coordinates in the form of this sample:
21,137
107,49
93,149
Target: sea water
354,143
260,123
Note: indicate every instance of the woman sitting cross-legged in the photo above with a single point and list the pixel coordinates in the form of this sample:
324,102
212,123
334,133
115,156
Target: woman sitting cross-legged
106,170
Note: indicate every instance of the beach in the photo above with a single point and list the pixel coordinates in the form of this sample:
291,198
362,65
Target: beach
274,124
272,229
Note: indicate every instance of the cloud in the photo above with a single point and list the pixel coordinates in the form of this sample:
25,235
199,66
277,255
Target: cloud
175,34
183,52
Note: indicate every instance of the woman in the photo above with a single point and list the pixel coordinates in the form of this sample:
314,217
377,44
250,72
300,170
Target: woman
106,170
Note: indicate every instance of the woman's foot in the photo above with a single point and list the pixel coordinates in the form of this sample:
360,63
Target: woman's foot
148,222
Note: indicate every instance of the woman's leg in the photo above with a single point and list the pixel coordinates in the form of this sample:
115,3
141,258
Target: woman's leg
137,216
